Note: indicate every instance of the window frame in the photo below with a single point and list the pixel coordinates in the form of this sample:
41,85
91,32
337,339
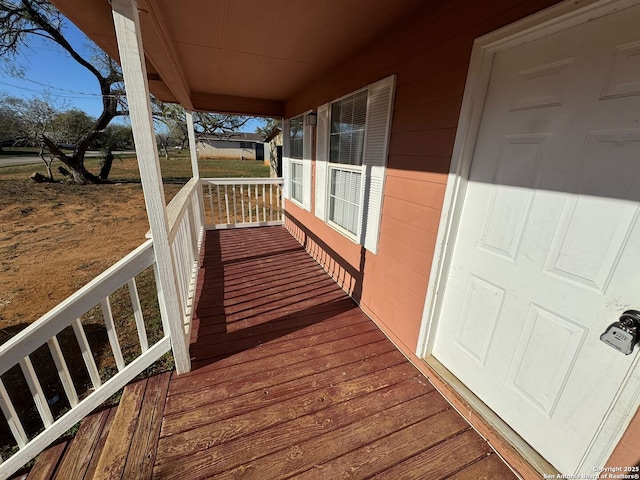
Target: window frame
377,136
300,139
294,162
355,168
331,167
304,136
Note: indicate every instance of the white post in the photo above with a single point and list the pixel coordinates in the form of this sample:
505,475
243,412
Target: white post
194,168
192,145
127,26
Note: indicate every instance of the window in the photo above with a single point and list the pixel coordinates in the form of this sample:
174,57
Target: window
344,198
297,161
348,119
296,181
346,147
296,137
351,155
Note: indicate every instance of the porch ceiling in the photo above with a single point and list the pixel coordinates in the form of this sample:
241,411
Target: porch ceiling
241,56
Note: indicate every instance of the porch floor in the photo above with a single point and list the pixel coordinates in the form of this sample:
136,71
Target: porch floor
290,379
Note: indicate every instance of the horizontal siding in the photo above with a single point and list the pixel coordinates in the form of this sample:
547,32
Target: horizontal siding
412,214
438,115
429,168
429,52
415,191
441,85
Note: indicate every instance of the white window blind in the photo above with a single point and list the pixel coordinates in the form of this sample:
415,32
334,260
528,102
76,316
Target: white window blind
296,181
344,199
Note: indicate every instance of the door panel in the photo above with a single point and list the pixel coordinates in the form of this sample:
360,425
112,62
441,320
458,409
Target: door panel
548,244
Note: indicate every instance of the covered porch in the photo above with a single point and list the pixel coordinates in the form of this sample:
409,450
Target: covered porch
289,379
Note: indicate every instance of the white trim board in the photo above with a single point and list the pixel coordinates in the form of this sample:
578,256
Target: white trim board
539,25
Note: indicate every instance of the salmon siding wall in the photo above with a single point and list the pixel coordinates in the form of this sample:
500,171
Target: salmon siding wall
429,53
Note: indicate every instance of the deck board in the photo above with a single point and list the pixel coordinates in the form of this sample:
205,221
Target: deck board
85,447
290,379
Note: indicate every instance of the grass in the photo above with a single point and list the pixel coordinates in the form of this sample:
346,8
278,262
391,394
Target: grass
176,169
13,185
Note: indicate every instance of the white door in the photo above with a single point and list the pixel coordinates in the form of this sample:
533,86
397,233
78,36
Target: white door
548,248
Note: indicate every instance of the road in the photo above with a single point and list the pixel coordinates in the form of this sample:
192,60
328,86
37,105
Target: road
11,161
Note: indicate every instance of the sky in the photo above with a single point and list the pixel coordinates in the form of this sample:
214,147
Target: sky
48,68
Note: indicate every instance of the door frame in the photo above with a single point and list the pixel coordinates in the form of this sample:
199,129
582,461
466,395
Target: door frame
546,22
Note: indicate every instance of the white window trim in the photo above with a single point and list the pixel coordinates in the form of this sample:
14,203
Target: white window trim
306,162
296,161
346,168
376,145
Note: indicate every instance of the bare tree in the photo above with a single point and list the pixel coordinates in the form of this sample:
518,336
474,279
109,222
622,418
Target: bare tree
172,117
21,20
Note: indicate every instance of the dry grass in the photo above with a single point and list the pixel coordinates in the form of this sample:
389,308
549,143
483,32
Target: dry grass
54,238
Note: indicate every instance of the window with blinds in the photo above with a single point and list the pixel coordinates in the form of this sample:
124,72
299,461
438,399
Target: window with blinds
296,137
296,181
344,198
348,118
348,122
352,143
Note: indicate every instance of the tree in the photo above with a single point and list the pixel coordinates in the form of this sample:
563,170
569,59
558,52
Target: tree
111,138
269,125
26,121
68,127
172,118
20,20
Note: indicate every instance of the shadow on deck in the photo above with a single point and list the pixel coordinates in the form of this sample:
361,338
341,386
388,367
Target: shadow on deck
290,379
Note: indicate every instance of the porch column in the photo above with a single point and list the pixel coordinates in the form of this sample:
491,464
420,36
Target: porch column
192,145
195,169
127,26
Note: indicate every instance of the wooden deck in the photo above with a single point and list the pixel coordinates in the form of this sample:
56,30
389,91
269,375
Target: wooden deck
290,379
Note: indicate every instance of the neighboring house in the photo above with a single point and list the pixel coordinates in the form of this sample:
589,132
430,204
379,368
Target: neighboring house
466,170
246,146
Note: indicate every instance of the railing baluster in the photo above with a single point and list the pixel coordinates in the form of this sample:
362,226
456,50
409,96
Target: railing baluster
12,418
235,207
249,196
278,193
242,197
226,202
111,333
219,206
36,391
85,349
213,219
178,267
264,202
271,201
137,314
257,205
63,371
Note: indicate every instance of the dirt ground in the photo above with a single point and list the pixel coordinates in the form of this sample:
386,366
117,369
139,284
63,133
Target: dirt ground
54,238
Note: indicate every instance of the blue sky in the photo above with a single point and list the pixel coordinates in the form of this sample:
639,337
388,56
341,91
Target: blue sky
48,68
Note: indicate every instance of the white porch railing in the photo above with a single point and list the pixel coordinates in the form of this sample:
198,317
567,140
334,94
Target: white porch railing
185,215
242,202
18,351
231,203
